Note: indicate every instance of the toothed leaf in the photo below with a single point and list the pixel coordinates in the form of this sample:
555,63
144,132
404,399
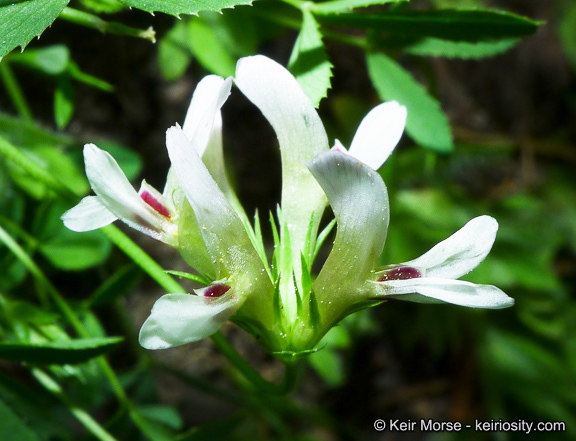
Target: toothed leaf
338,6
426,124
20,22
449,24
309,61
177,7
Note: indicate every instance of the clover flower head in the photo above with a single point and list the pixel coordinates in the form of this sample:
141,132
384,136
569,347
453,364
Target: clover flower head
279,301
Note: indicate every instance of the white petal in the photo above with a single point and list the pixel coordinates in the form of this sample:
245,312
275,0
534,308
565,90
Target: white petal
214,160
205,94
117,194
209,96
461,252
437,290
359,199
300,133
378,134
88,215
221,228
173,192
177,319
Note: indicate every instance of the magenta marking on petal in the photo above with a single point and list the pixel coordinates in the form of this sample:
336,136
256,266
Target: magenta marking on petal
400,273
153,202
217,290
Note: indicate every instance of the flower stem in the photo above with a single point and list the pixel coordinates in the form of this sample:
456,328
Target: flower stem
27,261
290,369
92,21
87,421
15,91
142,259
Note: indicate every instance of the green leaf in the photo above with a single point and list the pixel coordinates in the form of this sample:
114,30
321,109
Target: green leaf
106,6
173,53
54,161
25,312
218,40
338,6
63,101
152,429
72,251
27,134
426,122
309,61
208,49
12,427
51,60
59,352
329,365
449,24
435,47
177,7
165,415
20,22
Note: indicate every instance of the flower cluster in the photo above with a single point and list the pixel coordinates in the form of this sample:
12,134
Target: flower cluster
279,302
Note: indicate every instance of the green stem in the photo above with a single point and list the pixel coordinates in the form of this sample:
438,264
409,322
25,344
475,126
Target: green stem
17,250
94,22
290,372
15,92
87,421
142,259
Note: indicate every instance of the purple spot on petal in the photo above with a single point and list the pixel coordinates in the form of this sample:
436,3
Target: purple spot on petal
400,273
155,204
217,290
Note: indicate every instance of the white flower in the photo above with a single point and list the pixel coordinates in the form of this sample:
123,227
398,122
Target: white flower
431,277
148,211
177,319
377,135
282,306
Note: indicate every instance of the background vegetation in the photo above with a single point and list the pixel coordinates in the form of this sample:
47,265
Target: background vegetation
491,99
